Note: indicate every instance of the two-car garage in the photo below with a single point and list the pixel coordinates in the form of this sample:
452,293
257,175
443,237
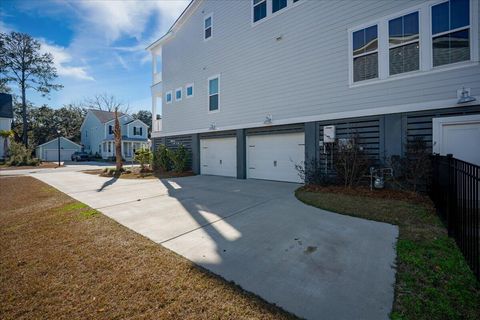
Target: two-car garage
268,156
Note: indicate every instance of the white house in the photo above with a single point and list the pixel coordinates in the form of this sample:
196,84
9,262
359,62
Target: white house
6,118
48,151
97,134
254,87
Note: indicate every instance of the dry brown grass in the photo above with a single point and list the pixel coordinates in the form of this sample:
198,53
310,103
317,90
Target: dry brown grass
62,260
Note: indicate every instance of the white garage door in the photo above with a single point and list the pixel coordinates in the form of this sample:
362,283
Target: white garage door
218,157
273,157
459,136
52,154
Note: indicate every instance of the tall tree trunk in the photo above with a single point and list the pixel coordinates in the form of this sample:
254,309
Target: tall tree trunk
24,116
118,143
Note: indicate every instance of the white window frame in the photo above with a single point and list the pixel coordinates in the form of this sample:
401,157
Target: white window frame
217,76
419,40
470,33
166,97
365,53
211,26
189,85
181,94
290,4
425,40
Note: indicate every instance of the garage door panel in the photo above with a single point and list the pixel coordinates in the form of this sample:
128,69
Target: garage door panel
52,154
274,157
218,157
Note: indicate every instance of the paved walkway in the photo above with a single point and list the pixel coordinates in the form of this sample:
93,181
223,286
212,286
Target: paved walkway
313,263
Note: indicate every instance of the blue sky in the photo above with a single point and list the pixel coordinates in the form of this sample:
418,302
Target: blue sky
98,46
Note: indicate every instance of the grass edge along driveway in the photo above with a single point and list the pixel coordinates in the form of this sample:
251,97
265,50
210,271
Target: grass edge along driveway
61,259
433,280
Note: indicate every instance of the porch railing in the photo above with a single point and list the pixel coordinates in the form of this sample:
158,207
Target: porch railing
455,191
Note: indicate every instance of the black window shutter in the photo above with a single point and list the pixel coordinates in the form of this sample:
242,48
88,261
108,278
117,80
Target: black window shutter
141,131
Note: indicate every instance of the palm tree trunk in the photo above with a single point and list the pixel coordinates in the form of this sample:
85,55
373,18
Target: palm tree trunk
118,143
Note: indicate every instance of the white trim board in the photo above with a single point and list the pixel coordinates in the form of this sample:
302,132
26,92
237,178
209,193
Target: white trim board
412,107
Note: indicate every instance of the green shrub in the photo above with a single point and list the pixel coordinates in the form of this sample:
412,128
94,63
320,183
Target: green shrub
179,159
19,155
162,159
144,157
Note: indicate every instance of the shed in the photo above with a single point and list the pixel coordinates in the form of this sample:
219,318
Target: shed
49,150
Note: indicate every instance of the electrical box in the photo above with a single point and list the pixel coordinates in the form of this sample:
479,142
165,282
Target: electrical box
329,134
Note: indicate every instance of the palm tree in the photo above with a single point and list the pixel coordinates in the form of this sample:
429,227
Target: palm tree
118,144
6,135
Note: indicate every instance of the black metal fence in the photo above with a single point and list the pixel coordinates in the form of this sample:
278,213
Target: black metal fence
455,191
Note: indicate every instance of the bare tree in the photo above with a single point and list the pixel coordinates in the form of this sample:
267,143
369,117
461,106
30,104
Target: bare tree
105,102
22,62
118,143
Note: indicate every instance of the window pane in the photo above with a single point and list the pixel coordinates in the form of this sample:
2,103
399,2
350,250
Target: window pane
213,86
404,59
451,48
459,46
208,22
278,4
440,19
410,27
260,11
358,42
169,97
189,91
459,13
178,94
208,33
365,67
395,30
371,39
403,29
213,105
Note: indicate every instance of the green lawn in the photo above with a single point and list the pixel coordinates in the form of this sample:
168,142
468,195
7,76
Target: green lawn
433,279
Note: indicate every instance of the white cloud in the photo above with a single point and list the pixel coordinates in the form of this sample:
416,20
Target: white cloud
61,59
128,18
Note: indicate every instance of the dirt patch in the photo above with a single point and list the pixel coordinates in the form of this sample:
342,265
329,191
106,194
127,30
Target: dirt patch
60,259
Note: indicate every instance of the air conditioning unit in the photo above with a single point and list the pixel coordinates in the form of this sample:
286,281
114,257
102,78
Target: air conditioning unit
329,134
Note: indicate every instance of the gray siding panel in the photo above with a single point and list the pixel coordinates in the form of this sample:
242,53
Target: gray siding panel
303,74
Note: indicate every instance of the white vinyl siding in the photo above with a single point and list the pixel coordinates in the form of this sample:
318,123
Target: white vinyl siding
305,76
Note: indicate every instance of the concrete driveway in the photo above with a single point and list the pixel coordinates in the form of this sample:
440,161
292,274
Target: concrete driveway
313,263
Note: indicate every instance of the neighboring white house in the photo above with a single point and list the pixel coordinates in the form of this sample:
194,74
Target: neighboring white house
49,150
97,134
254,87
6,118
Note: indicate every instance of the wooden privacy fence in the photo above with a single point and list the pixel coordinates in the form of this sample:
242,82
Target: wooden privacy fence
455,191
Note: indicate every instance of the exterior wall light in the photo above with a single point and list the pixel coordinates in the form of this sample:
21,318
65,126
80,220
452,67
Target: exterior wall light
464,95
213,126
268,119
